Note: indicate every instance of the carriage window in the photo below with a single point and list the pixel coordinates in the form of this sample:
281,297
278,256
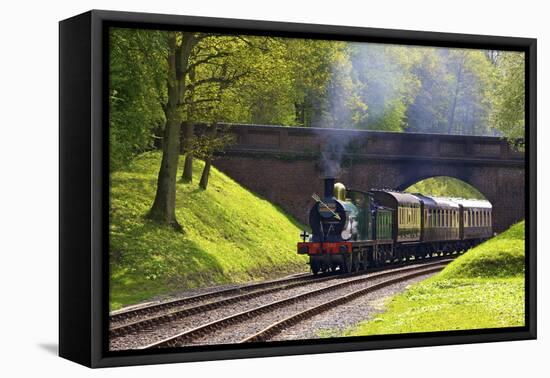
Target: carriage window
425,217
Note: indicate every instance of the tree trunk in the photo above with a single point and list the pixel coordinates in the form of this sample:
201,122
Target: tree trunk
164,205
189,134
187,175
205,173
455,98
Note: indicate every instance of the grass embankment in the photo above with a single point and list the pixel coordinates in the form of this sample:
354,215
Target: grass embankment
483,288
445,186
230,235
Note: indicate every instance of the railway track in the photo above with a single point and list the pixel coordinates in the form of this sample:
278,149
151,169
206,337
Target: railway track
116,318
126,321
235,327
174,310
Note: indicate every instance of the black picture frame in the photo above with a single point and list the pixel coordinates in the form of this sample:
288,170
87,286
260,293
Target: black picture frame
84,187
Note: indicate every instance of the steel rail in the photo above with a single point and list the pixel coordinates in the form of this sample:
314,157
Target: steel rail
124,314
156,320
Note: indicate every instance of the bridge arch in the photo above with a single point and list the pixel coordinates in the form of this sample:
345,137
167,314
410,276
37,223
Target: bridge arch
454,188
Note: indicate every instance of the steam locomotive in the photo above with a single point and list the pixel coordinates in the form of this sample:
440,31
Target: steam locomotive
353,230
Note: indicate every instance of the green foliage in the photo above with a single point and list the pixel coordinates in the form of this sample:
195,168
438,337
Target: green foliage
343,107
204,146
456,92
387,84
300,82
445,186
137,75
484,288
228,236
509,115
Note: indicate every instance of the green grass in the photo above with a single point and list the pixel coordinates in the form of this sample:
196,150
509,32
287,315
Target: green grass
445,186
483,288
230,235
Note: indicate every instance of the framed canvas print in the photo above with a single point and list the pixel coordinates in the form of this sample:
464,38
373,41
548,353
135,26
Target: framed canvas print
234,188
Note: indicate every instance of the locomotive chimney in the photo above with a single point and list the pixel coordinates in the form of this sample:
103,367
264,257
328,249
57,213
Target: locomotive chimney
329,187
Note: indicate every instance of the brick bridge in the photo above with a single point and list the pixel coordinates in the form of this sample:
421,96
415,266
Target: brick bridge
283,165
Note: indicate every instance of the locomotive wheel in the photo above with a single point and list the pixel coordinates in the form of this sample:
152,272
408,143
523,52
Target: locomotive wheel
315,266
354,265
346,264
